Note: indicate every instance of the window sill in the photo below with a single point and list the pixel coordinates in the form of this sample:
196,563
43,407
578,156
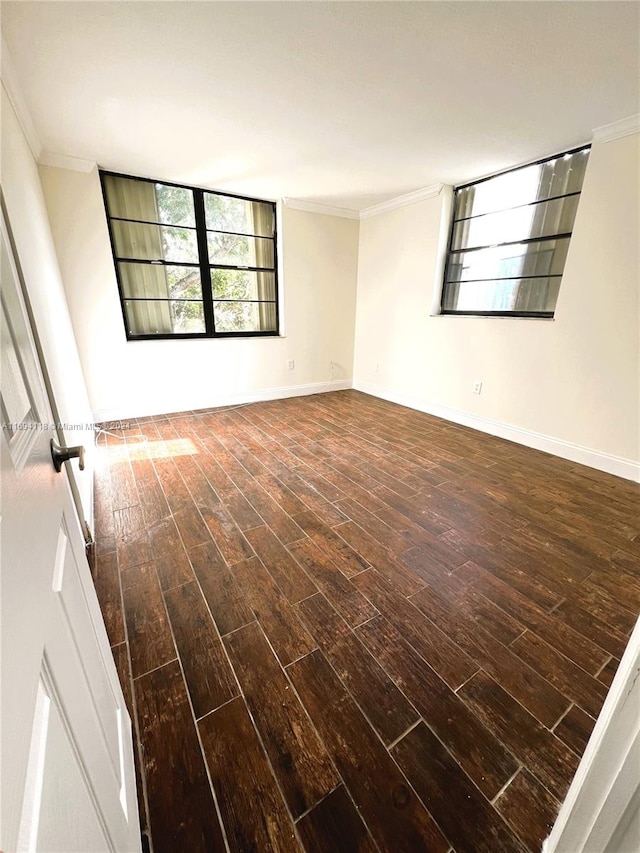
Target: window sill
234,337
494,317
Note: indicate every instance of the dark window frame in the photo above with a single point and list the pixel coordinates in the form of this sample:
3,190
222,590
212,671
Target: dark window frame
549,315
203,265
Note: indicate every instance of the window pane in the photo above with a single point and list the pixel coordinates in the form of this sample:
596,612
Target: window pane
520,295
130,199
520,260
187,316
154,242
563,174
555,177
224,213
537,220
244,316
163,317
149,202
243,284
184,282
240,251
155,281
175,205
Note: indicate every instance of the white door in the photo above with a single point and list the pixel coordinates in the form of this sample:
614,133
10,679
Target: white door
67,776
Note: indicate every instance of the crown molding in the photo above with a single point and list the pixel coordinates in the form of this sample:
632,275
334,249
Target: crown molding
14,93
617,129
64,161
402,201
324,209
374,210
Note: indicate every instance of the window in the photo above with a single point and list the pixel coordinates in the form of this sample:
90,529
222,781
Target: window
509,239
190,262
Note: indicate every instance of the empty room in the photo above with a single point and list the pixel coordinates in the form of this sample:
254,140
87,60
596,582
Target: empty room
320,427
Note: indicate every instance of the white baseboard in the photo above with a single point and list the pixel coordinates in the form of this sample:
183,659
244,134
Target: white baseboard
617,465
122,413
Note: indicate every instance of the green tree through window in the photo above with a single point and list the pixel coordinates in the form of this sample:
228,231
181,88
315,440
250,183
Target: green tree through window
191,262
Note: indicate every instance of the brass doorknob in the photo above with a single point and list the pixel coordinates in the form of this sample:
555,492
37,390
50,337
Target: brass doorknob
63,454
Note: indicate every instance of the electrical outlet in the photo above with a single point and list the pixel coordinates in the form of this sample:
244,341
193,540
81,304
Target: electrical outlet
477,387
377,368
291,364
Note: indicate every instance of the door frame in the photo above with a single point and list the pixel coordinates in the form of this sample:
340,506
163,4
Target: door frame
71,476
604,798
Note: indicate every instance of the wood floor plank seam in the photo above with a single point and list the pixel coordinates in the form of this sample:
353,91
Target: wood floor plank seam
528,808
239,628
161,616
265,752
320,801
560,719
575,729
275,615
372,694
278,576
534,618
135,726
372,734
506,785
391,745
470,666
224,650
556,605
374,730
277,739
186,659
469,680
190,794
543,579
456,724
604,666
155,668
194,717
473,674
517,750
341,829
444,817
222,705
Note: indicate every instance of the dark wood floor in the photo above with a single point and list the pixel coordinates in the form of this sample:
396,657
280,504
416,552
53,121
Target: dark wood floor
343,625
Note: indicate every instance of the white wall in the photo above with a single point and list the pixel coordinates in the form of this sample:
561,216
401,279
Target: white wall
125,379
571,385
34,245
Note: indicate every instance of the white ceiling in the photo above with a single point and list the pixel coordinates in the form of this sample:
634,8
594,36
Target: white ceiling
343,103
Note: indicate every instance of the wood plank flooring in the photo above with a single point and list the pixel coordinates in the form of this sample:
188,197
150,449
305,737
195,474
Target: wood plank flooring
342,625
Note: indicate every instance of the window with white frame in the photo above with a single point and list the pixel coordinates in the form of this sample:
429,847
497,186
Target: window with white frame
509,239
191,262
